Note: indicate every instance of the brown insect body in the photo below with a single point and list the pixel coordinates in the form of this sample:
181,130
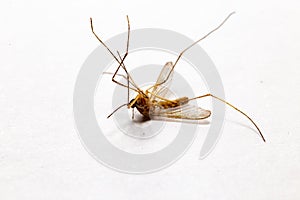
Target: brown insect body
143,104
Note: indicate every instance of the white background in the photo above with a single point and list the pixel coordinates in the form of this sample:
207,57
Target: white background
42,47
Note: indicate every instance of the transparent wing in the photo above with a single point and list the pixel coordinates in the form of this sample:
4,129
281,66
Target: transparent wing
164,78
186,111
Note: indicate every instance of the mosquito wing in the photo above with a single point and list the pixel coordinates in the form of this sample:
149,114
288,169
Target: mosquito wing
186,111
161,87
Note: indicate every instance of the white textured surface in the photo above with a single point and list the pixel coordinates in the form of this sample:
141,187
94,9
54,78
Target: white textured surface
43,45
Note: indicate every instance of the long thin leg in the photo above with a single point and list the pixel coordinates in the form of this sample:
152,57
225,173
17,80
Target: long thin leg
115,74
121,84
202,38
119,61
232,106
125,104
128,103
121,75
125,55
92,27
127,47
128,75
127,78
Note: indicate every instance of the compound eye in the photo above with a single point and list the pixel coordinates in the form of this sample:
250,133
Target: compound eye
132,106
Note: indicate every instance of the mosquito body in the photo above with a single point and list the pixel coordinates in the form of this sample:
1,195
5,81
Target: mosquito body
143,104
153,103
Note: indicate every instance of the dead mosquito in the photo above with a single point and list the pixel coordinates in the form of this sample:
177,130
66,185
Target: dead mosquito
153,103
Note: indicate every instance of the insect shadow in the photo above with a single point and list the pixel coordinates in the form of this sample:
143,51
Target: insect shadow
152,103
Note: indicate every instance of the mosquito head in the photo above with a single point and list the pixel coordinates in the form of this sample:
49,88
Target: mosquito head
132,103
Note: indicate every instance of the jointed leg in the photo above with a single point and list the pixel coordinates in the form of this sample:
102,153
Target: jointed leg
180,55
125,104
125,55
122,75
210,95
92,27
119,61
121,84
127,78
